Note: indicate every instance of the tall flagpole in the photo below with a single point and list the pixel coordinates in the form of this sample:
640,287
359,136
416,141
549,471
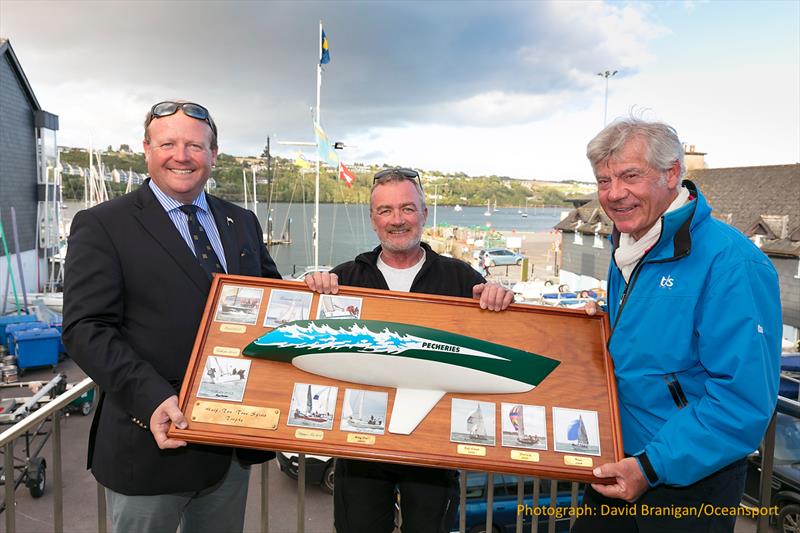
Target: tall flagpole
316,181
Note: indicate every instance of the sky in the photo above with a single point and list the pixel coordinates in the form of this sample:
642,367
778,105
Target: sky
503,88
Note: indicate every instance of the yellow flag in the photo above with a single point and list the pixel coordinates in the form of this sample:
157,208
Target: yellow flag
301,162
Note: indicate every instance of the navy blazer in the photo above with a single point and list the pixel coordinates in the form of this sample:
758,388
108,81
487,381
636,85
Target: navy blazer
134,294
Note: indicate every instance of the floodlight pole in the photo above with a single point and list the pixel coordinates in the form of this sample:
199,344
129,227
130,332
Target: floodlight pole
606,74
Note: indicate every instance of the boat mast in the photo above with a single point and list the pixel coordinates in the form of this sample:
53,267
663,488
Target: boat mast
315,226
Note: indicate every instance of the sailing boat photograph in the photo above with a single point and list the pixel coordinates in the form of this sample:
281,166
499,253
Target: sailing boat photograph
239,304
287,306
576,431
224,378
472,422
364,411
334,306
313,406
523,426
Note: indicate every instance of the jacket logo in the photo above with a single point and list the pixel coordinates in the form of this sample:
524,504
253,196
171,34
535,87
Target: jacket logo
666,281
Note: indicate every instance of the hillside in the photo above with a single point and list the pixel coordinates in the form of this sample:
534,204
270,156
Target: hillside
290,183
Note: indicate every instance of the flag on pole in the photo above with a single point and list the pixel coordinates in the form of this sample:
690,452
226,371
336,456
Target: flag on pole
325,55
326,152
301,162
346,174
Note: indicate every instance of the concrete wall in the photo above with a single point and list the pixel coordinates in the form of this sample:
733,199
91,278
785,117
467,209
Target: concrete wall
584,259
30,267
790,288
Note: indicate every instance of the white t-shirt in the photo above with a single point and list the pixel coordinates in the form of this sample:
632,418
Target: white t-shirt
400,279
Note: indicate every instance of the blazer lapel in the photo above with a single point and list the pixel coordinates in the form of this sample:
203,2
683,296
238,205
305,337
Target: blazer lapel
226,224
154,220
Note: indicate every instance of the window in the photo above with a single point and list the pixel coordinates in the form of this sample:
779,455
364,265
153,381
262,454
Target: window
578,238
598,241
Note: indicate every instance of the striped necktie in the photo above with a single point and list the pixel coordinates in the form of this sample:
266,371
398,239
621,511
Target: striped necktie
202,246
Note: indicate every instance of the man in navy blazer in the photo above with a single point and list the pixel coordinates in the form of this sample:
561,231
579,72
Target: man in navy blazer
135,287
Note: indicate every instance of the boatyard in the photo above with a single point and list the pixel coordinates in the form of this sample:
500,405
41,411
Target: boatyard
590,157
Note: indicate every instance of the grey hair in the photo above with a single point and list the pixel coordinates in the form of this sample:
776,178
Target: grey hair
661,141
395,177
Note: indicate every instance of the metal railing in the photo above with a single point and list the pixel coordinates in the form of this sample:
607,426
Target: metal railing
53,410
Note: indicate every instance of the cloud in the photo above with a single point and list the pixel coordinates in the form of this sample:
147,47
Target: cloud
506,88
252,63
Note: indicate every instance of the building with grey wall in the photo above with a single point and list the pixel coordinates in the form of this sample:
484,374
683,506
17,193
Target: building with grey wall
27,149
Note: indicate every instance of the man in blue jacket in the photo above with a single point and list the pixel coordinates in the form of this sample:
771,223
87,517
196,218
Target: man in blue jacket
696,327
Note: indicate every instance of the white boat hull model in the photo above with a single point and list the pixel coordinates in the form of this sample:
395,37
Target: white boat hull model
423,364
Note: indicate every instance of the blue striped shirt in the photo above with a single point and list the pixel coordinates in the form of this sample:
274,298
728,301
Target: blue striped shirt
204,216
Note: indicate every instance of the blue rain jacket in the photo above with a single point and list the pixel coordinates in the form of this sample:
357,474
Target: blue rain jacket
696,341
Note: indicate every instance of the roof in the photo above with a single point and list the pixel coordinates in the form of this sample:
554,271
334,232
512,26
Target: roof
760,200
7,51
743,195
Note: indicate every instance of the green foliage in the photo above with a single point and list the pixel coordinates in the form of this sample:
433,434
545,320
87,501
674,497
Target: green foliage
290,183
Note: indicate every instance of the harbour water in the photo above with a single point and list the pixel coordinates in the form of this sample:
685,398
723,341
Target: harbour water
345,229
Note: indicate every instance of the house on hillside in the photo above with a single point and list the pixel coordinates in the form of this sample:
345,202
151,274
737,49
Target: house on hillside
761,202
28,159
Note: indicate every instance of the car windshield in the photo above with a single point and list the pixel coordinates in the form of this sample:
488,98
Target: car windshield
787,439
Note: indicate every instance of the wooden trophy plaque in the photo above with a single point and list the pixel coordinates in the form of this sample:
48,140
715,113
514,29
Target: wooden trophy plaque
404,378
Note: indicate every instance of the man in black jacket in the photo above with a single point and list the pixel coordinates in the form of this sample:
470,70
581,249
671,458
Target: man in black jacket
138,272
365,491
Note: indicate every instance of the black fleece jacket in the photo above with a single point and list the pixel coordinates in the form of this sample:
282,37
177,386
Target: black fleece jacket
439,275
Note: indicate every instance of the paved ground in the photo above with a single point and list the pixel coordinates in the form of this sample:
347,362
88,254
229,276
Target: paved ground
80,489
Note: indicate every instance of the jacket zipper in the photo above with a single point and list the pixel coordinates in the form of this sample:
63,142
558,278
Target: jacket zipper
634,277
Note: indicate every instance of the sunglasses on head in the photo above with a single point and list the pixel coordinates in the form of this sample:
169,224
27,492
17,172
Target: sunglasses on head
405,173
196,111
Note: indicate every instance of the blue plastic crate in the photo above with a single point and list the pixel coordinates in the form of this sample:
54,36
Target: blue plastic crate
13,319
36,347
11,329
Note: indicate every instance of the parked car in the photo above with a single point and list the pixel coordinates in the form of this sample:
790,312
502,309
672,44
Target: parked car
785,491
319,469
504,510
501,256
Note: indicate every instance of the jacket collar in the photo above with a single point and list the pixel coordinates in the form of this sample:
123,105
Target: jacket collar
676,238
371,258
155,221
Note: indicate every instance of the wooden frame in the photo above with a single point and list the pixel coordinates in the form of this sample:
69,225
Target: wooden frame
584,380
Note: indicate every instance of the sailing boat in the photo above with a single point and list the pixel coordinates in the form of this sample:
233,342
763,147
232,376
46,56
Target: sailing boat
488,212
295,311
577,433
226,374
476,426
309,413
495,205
356,418
518,421
525,213
233,304
458,208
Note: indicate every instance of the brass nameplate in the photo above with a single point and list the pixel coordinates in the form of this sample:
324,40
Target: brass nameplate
232,328
572,460
519,455
309,434
225,350
355,438
468,449
236,415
